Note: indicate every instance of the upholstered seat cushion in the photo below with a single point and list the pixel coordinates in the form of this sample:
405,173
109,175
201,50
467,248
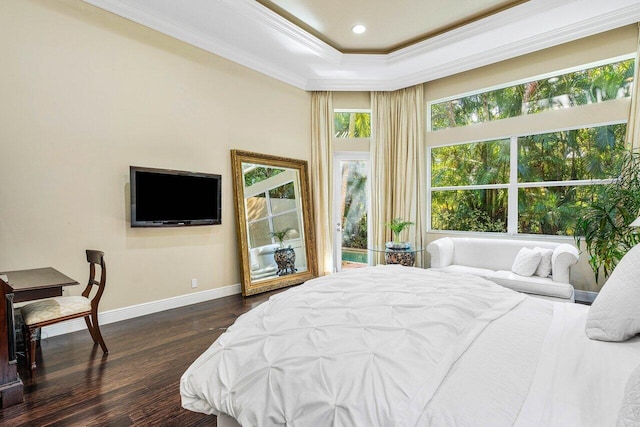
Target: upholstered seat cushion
532,285
54,308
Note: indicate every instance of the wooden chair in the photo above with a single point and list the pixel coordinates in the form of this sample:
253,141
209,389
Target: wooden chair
58,309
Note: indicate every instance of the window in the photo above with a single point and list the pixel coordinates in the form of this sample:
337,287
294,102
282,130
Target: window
495,165
531,184
352,124
560,91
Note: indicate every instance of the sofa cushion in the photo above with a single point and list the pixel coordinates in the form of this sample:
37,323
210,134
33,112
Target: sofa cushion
532,285
526,262
463,269
544,267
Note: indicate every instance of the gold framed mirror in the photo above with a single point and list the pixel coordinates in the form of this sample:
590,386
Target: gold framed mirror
276,243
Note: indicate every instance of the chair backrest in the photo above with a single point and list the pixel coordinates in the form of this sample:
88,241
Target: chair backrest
95,258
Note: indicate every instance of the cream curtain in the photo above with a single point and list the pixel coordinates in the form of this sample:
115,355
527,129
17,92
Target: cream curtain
633,127
321,176
398,177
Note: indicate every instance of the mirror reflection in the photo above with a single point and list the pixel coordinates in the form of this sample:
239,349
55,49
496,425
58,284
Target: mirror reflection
274,218
273,221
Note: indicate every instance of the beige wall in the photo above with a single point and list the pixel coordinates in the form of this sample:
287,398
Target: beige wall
352,100
85,94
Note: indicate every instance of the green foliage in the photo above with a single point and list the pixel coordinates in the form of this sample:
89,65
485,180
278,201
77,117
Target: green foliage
259,173
478,163
578,154
352,125
397,226
280,235
470,210
354,211
604,223
582,87
564,156
285,191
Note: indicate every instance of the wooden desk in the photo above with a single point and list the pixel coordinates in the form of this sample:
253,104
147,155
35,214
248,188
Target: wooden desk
37,283
21,285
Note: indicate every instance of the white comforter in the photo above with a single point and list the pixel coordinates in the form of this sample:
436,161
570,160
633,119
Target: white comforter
398,346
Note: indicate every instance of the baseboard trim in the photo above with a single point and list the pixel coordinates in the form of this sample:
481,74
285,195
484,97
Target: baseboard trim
125,313
585,296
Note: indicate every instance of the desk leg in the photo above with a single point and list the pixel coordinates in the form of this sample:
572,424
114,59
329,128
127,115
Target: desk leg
11,388
12,393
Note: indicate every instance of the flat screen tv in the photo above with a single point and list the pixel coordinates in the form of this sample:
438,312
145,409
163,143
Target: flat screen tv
171,198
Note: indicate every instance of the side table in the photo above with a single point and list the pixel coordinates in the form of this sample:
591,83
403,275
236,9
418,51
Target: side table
406,257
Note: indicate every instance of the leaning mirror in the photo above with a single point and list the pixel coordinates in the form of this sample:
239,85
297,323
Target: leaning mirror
273,221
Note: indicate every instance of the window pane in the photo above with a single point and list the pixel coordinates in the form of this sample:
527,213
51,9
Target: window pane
259,234
588,86
354,208
288,220
470,164
282,198
352,125
469,210
553,210
256,207
591,153
255,173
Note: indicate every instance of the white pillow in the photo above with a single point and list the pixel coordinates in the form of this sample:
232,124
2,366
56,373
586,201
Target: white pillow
544,268
629,414
615,314
526,262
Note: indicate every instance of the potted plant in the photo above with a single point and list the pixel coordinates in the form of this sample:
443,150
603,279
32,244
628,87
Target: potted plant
285,258
397,226
604,223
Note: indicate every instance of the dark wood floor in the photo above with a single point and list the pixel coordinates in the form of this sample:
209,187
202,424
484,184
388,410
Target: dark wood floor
137,383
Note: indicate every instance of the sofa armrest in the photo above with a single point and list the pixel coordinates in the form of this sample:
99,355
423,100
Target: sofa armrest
441,251
564,256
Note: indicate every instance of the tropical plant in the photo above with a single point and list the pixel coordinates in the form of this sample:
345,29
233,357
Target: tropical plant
280,235
581,87
352,125
354,204
604,223
585,154
397,226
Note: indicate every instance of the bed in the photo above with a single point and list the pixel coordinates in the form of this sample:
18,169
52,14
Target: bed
402,346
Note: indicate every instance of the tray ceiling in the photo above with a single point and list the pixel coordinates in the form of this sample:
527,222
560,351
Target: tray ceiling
297,48
390,25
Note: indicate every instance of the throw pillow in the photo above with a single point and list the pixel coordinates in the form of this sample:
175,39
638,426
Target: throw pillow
526,262
629,414
614,315
544,268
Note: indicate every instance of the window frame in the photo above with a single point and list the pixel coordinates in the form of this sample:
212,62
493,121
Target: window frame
513,186
542,76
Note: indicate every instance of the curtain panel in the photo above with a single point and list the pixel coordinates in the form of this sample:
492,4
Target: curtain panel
398,173
321,177
633,127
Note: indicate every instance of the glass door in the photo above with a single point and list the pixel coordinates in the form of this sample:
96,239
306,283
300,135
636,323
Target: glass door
351,210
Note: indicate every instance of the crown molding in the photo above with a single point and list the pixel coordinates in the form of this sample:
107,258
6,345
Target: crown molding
265,16
216,45
248,33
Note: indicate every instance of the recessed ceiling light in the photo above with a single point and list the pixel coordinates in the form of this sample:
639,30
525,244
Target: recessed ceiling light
359,29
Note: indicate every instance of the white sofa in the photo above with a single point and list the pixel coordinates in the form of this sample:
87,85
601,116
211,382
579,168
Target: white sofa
262,263
493,258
